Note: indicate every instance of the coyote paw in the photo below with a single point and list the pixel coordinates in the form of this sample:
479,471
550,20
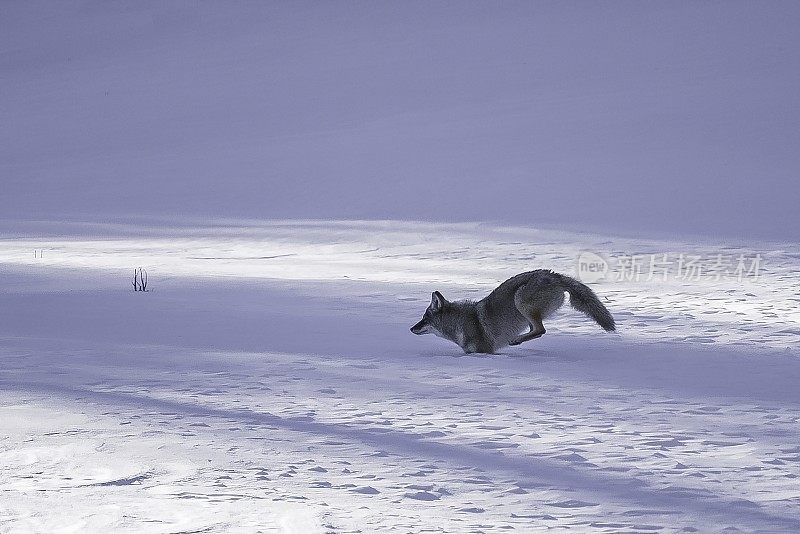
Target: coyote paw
515,341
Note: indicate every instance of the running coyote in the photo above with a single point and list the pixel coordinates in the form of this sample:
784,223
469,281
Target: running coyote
518,304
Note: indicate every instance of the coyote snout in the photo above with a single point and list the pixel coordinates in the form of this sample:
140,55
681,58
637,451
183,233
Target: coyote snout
420,328
502,318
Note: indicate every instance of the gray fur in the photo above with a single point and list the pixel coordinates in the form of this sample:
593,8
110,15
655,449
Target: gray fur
502,318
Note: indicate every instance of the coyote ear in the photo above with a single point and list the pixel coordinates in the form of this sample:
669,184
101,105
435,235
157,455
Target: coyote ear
437,300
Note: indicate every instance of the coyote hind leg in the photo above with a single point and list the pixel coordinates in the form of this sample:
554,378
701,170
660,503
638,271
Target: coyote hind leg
537,328
534,301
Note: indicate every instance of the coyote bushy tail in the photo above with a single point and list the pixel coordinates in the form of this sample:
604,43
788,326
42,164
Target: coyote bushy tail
583,299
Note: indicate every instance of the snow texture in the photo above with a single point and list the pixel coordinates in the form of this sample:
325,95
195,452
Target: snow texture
297,177
268,382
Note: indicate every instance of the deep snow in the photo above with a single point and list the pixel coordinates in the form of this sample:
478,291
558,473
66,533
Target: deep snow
254,389
268,381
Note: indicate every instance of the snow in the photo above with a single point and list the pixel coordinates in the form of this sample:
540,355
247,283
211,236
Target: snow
273,386
297,177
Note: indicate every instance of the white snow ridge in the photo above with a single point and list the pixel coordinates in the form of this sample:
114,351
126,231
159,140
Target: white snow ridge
267,382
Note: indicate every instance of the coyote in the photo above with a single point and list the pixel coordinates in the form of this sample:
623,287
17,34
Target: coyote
501,318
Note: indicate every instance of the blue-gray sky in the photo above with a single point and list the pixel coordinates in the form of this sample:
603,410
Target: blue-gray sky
640,117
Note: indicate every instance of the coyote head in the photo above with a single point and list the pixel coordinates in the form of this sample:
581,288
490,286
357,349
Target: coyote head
454,321
433,320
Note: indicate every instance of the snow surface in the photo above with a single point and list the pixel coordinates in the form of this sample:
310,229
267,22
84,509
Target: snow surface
268,382
257,159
